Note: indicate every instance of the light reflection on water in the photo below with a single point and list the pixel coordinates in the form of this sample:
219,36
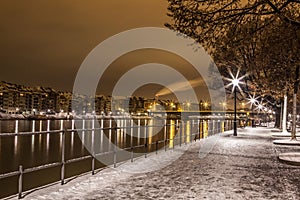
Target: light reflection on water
40,148
16,146
32,144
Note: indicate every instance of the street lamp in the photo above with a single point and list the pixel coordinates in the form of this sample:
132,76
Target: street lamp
235,81
259,108
252,100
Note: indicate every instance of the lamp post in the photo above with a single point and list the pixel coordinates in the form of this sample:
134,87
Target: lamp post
235,83
253,101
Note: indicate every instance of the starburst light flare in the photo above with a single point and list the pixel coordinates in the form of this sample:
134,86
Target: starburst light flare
260,106
235,81
252,100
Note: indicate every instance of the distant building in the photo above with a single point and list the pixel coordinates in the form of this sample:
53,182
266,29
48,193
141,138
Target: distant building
34,100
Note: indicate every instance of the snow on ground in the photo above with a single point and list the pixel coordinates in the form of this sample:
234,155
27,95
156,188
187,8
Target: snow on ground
242,167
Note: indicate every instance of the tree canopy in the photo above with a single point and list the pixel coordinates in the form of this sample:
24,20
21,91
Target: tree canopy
260,37
207,21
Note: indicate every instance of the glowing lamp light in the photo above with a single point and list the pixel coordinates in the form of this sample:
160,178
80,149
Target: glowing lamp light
235,82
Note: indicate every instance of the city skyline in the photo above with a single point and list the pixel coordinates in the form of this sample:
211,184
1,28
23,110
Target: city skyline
15,98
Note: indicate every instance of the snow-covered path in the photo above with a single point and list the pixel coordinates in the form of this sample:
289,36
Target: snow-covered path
242,167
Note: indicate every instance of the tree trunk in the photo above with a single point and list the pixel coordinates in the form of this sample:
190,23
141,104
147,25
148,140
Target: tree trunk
281,114
284,114
278,116
294,116
296,85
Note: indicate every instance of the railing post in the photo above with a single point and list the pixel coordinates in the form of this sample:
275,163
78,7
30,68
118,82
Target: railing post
131,138
92,147
62,172
174,136
131,154
180,132
165,135
115,147
191,131
156,146
146,142
20,188
199,123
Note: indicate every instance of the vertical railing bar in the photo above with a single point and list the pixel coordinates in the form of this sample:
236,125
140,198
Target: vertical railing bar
174,135
93,147
62,175
131,154
165,135
199,130
20,188
191,131
115,147
180,132
146,142
131,138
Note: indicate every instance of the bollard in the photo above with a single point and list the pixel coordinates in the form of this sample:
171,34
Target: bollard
156,147
20,188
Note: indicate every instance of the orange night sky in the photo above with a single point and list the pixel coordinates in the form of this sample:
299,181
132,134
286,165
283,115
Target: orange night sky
44,42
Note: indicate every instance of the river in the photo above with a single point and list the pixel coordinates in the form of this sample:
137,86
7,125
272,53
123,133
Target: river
40,149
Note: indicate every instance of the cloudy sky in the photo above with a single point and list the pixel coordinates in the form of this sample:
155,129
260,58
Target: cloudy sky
50,38
45,42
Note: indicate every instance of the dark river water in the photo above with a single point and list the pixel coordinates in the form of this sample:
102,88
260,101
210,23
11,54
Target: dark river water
38,149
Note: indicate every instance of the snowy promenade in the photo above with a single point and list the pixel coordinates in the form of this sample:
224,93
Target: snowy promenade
242,167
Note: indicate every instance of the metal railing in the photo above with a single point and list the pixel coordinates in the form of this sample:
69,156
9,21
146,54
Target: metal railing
213,127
